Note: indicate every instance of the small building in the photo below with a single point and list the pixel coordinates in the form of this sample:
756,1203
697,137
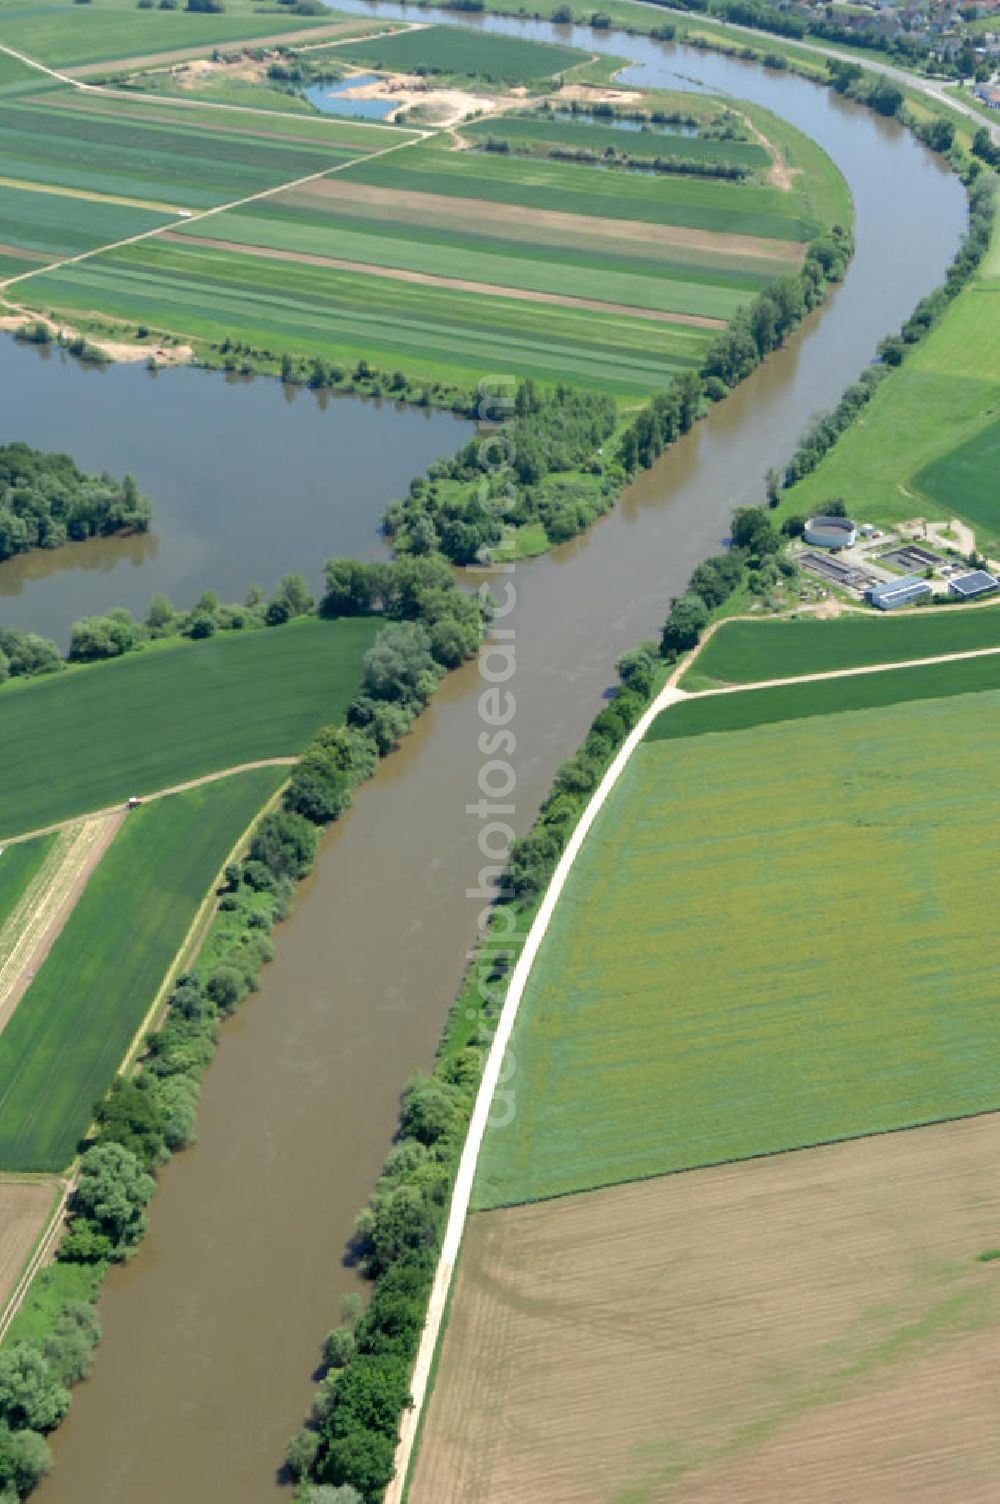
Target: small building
976,583
890,594
830,532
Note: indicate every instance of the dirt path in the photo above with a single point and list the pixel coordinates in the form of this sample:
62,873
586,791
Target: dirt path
454,284
780,174
36,923
847,673
177,788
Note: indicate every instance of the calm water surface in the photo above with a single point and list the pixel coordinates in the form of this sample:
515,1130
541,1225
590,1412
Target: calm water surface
249,479
211,1334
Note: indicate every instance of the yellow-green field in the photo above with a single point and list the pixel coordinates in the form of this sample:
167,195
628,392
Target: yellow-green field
773,937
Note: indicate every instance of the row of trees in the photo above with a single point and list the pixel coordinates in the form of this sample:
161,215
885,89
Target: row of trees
755,550
351,1436
628,161
45,500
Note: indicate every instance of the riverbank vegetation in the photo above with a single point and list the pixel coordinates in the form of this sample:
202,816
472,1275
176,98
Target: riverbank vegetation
45,500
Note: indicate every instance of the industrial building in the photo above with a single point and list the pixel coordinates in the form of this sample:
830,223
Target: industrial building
830,532
976,583
890,594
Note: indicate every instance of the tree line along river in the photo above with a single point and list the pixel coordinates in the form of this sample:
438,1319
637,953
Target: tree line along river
211,1334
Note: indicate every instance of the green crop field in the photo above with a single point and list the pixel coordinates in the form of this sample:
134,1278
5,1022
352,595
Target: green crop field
158,153
64,1042
52,224
64,33
705,714
942,398
745,652
966,481
573,188
19,865
774,938
283,305
448,49
633,280
650,142
92,737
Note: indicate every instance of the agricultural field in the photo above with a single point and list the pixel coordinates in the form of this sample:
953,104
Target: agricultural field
24,1210
458,53
159,717
60,33
814,1326
746,652
162,155
925,422
704,715
714,984
63,1044
19,866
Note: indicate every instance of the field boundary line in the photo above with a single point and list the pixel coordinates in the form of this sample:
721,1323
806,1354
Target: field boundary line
177,788
110,91
31,62
462,1191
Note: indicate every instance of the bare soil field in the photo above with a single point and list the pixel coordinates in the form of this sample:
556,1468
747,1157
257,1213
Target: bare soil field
24,1207
811,1328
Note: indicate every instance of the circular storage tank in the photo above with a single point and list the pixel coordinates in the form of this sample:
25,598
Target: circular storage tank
831,532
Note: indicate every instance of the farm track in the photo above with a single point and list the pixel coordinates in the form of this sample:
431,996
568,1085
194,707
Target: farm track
177,788
451,284
36,923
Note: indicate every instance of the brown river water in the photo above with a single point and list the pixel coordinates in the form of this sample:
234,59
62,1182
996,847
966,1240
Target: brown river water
210,1335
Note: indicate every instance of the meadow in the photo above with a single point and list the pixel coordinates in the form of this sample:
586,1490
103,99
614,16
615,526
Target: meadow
60,1050
771,939
44,226
94,736
706,714
940,401
965,479
811,1326
745,652
19,866
453,51
650,142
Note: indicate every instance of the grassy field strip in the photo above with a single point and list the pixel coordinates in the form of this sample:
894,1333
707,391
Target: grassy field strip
29,1220
89,195
31,62
456,284
202,214
33,929
849,673
744,650
177,788
107,91
67,1038
461,1195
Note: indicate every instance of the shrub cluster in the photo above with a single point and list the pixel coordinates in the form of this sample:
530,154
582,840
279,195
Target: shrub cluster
35,1379
628,161
752,559
45,501
556,477
350,1440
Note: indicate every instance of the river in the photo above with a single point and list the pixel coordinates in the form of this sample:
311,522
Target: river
211,1333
